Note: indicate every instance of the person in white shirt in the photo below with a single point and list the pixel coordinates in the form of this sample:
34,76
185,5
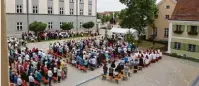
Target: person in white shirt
50,74
19,81
55,71
31,80
59,72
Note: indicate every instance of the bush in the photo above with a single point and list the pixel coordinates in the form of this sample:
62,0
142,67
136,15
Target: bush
174,54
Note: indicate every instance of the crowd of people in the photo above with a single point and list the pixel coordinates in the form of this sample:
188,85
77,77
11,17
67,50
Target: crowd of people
131,62
33,66
49,35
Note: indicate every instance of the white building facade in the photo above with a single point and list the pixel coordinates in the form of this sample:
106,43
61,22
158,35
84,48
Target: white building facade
20,13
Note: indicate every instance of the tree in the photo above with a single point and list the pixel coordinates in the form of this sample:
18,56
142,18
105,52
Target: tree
99,16
66,26
88,25
129,37
138,14
37,27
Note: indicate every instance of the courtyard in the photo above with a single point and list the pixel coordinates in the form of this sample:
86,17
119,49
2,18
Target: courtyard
167,72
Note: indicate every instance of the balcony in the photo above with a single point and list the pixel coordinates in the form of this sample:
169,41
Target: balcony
193,33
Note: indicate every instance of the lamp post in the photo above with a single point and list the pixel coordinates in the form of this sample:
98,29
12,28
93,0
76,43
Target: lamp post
77,15
27,9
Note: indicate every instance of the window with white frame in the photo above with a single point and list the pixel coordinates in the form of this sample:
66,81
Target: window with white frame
166,16
19,26
71,11
90,2
71,1
80,25
50,10
177,45
178,27
167,7
192,48
61,23
166,32
50,25
155,32
35,9
61,10
19,9
193,28
89,12
81,12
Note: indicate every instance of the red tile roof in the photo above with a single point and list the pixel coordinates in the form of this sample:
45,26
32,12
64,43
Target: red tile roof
186,10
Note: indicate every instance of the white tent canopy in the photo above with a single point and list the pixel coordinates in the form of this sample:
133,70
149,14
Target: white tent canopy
122,30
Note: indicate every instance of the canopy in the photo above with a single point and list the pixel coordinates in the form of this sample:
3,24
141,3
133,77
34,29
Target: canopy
122,30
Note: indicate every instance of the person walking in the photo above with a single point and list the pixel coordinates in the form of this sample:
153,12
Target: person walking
50,74
105,69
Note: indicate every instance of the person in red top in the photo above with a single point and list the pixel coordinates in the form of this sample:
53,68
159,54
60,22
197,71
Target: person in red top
25,65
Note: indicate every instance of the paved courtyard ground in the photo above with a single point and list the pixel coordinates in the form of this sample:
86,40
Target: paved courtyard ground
167,72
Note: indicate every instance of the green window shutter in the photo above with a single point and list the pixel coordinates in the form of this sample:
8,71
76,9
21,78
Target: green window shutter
197,48
186,47
172,45
174,27
198,29
188,28
182,28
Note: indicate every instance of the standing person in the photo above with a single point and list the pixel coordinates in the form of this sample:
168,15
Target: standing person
111,72
59,74
50,74
19,81
31,80
113,64
105,69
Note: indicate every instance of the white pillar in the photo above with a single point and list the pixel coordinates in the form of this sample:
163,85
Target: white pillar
169,39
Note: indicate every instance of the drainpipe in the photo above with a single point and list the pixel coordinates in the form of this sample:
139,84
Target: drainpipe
27,9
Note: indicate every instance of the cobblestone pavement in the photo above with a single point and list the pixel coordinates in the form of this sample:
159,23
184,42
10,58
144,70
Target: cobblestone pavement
167,72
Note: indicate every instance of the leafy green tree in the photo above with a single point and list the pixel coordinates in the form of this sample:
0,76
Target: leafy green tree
129,37
99,16
88,25
37,27
66,26
138,14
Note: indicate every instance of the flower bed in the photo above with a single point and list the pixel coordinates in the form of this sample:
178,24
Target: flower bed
178,32
193,33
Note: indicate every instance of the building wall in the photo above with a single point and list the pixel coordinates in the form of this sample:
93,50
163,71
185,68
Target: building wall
184,39
161,23
56,18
